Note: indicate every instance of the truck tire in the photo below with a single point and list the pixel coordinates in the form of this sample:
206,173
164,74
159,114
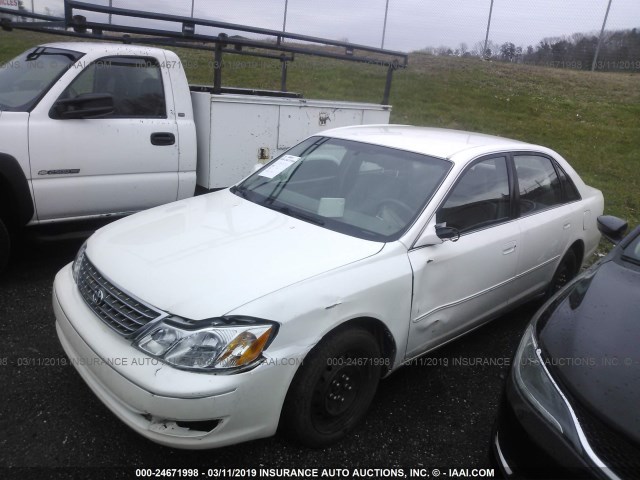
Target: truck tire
5,245
332,390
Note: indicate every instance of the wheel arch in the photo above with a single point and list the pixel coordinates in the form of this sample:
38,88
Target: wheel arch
578,249
297,420
380,332
16,204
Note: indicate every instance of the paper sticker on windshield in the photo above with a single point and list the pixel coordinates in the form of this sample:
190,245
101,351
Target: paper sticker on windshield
279,166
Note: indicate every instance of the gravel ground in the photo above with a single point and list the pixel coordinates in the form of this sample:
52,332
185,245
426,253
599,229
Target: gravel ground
436,413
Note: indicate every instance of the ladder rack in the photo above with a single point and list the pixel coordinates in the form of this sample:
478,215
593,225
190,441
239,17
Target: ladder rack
75,24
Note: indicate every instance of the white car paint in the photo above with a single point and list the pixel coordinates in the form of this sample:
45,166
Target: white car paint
221,254
217,249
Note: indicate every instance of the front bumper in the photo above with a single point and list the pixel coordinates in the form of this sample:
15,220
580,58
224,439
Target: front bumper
172,407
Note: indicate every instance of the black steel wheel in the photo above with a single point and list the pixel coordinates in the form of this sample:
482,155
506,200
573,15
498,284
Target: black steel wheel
565,272
332,390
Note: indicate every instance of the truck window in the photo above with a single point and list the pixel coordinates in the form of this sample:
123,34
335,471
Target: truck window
135,84
27,78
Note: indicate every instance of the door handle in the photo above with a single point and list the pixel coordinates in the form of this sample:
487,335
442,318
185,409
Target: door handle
566,226
509,248
163,139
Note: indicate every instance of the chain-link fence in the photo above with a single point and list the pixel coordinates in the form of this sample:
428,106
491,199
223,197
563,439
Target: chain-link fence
567,33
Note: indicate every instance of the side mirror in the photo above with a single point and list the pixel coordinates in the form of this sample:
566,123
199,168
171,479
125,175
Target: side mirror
93,105
447,233
612,228
435,234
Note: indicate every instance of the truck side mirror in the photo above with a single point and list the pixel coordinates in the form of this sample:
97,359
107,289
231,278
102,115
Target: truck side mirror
612,228
92,105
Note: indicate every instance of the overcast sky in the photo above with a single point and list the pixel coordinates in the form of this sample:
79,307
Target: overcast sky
411,24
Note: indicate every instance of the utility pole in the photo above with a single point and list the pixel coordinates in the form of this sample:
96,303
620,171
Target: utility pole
486,38
192,7
604,23
284,23
283,63
384,27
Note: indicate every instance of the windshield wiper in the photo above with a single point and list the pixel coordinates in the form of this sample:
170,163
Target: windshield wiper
630,259
295,214
239,190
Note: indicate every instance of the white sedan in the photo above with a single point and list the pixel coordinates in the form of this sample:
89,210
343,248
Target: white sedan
282,301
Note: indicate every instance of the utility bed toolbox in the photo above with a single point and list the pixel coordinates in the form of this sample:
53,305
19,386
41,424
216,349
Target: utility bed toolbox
237,131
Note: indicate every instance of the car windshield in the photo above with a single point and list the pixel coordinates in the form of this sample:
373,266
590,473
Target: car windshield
26,78
632,251
363,190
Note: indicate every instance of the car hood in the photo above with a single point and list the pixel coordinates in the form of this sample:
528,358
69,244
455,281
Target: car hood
593,342
205,256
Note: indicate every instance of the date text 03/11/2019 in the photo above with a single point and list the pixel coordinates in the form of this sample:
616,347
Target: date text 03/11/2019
317,472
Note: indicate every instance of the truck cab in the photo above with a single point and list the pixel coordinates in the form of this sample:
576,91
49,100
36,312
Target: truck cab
97,129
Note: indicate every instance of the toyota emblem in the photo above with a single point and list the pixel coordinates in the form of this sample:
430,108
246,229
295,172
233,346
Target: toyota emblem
97,298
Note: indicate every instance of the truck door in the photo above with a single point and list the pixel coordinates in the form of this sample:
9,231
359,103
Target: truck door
117,163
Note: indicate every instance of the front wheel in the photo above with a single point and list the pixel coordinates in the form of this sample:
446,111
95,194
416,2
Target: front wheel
5,246
332,390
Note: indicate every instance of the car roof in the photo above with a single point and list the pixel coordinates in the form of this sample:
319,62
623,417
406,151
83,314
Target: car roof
436,142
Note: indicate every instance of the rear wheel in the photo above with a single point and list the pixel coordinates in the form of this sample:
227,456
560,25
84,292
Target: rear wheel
333,389
5,245
565,272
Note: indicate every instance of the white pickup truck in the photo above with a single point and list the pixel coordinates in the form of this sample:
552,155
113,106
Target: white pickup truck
94,130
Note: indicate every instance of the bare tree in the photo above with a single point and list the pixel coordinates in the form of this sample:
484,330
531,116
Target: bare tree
508,52
478,49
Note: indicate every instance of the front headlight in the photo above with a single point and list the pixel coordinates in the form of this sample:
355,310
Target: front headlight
208,349
77,262
534,381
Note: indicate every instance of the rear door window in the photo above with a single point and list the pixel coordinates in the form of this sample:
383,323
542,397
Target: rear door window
538,183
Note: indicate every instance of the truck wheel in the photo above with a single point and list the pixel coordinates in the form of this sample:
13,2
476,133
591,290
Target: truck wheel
333,388
5,246
565,272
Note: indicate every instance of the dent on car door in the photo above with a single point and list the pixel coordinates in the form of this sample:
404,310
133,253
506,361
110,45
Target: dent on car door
458,284
115,163
548,216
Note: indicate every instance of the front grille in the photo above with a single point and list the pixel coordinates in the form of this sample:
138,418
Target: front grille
122,312
615,450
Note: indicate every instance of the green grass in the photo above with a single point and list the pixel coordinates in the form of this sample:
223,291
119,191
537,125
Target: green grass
592,119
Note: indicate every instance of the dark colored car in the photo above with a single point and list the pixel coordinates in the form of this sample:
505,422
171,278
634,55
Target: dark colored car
572,399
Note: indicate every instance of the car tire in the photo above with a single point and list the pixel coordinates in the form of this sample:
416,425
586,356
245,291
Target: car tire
5,245
333,389
565,272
